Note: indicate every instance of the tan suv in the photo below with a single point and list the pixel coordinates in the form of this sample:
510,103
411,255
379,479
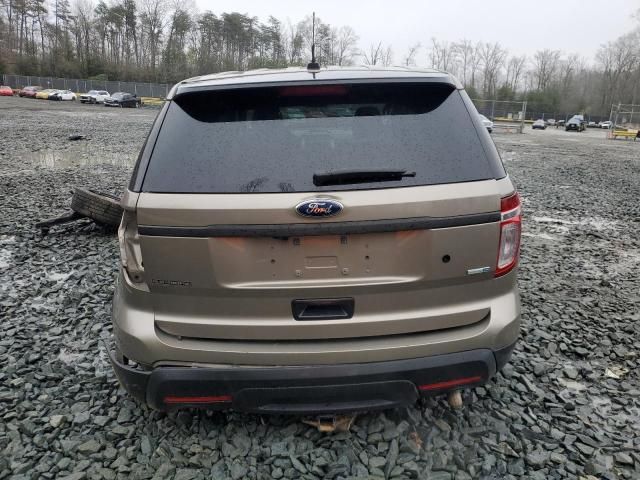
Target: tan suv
315,242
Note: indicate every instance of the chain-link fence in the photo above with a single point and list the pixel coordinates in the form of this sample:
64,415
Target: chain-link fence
506,116
625,116
534,113
157,90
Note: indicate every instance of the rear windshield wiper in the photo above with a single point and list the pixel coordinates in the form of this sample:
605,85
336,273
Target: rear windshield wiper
346,177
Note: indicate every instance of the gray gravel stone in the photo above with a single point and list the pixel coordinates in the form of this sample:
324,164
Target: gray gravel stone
186,474
537,459
298,465
90,446
74,476
462,475
56,420
81,418
439,475
145,445
279,449
392,457
623,458
516,467
570,372
238,470
586,449
165,470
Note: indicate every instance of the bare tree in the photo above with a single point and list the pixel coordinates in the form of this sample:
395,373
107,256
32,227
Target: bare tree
618,60
545,64
387,57
492,56
442,55
567,71
410,58
346,45
153,18
374,55
294,44
515,71
465,51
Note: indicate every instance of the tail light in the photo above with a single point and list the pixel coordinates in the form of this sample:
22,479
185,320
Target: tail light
315,90
509,246
130,254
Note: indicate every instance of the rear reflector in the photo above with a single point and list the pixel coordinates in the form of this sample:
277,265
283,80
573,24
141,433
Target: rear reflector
173,400
450,383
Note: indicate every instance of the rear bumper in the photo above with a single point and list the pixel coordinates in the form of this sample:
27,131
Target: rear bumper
309,389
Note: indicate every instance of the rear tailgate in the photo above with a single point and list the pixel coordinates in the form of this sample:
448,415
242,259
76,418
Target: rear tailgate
240,284
227,256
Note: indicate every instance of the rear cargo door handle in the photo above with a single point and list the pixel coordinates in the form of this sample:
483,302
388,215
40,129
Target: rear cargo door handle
323,309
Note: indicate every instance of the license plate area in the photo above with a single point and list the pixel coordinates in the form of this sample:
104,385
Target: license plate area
315,260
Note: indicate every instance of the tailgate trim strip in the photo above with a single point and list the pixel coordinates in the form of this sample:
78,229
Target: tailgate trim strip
325,228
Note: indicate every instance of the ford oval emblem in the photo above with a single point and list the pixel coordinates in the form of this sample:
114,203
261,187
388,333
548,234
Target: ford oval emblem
319,208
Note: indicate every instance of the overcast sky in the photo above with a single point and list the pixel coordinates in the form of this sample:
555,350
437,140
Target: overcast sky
522,27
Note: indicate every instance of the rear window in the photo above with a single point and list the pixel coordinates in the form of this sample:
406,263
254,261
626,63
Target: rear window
274,139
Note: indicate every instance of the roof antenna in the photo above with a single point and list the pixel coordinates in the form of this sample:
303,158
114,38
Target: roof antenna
313,66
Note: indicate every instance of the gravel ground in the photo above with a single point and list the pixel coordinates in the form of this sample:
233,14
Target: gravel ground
567,406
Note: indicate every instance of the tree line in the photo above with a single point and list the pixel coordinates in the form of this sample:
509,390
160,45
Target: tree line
552,80
159,41
152,40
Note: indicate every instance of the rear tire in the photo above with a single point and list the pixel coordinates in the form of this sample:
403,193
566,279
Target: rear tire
102,208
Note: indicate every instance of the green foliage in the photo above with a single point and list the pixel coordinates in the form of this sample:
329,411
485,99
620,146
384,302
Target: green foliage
28,65
472,92
505,92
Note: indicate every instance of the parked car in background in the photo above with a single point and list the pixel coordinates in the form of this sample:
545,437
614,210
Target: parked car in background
123,99
44,94
539,125
582,120
574,124
6,91
561,123
305,313
488,124
63,95
29,92
94,96
592,125
606,124
551,122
